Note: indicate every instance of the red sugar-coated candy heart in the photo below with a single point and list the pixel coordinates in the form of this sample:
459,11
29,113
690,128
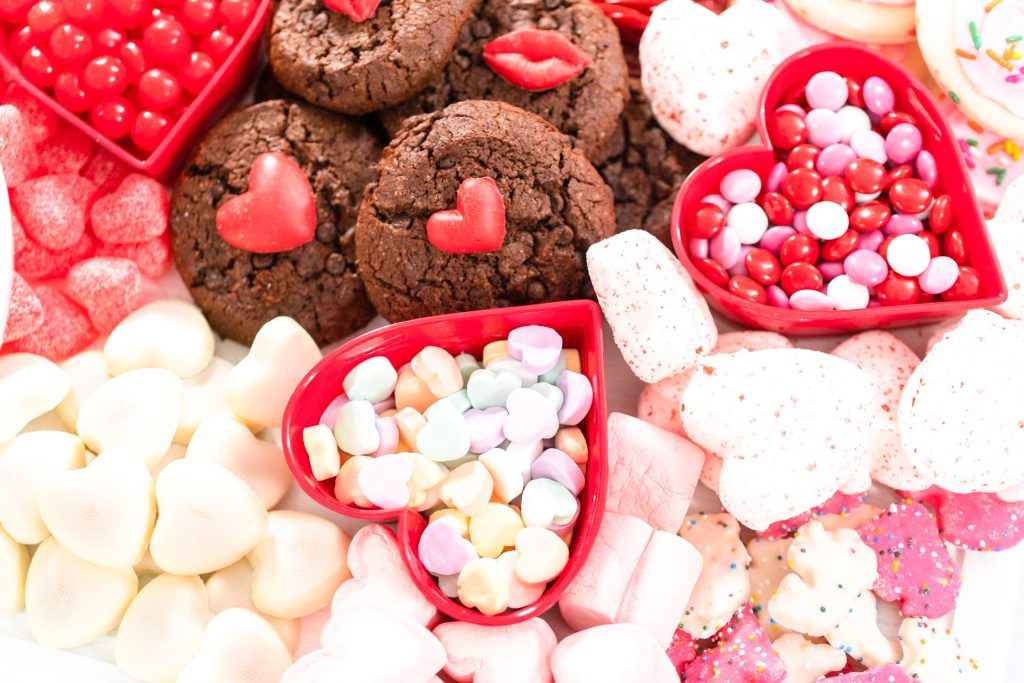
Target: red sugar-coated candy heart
277,213
36,262
870,216
107,288
152,257
477,224
803,187
839,248
786,129
953,246
740,653
803,156
801,275
838,191
777,208
888,673
25,314
54,208
356,10
896,290
41,122
747,288
839,504
762,265
866,176
135,212
707,222
799,248
967,285
66,151
105,171
682,650
65,330
941,217
914,567
975,521
712,270
17,150
535,60
910,195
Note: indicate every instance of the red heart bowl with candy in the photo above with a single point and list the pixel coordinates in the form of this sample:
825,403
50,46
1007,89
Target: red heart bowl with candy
860,214
142,79
579,325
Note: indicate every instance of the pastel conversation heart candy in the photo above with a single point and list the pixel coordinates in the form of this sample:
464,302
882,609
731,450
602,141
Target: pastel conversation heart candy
520,593
425,481
931,652
552,393
372,380
446,436
578,396
498,654
411,391
485,428
510,364
538,347
489,388
525,454
506,473
493,529
611,654
724,584
468,364
167,334
542,555
555,465
531,417
442,549
322,449
468,488
438,369
29,386
238,645
356,428
346,485
231,588
547,503
976,521
741,653
14,565
805,661
483,584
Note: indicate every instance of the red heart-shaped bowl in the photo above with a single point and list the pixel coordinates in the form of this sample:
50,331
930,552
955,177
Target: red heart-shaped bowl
912,97
229,82
579,324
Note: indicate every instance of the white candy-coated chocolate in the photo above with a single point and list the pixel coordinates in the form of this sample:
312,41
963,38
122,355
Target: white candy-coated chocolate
238,645
30,386
168,334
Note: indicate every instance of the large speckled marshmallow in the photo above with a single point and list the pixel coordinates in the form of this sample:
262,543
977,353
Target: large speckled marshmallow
890,363
612,654
724,583
498,654
975,449
1008,240
781,423
30,386
652,473
659,320
704,90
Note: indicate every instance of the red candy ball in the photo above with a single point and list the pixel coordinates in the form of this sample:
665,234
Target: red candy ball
896,289
838,191
134,60
113,118
803,188
745,288
839,248
69,92
762,266
150,129
786,129
85,12
797,276
38,67
128,13
953,246
941,217
777,208
44,16
158,90
866,176
967,285
71,45
802,156
712,270
199,16
870,216
196,72
799,249
893,119
166,41
14,11
21,41
883,248
707,222
108,41
910,195
105,77
236,14
218,45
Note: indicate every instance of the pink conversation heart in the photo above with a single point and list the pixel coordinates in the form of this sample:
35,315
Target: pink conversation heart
976,521
536,346
741,653
330,414
577,395
443,550
556,465
485,428
889,673
387,430
498,654
384,481
531,417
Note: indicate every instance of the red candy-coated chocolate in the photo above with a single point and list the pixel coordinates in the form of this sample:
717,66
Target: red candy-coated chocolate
894,118
953,246
910,195
866,176
762,266
25,313
477,224
707,221
802,187
941,217
712,270
53,209
900,172
799,248
933,243
967,285
778,209
896,290
801,275
802,156
838,191
66,329
107,288
535,60
786,129
356,10
855,92
746,288
839,248
870,216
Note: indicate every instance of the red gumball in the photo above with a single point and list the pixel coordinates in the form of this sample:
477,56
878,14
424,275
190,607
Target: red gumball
803,188
85,12
105,77
108,41
126,14
236,14
839,248
838,190
799,248
14,11
802,156
712,270
134,60
786,129
910,195
866,176
113,118
746,288
762,266
44,16
199,16
802,275
158,90
953,246
967,285
70,45
777,208
218,45
941,217
22,41
896,290
870,216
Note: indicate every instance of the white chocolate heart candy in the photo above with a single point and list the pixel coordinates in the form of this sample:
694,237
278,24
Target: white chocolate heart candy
162,628
88,371
168,334
223,440
71,602
14,568
208,518
30,386
258,388
231,588
27,465
105,512
298,564
238,645
203,396
138,410
322,449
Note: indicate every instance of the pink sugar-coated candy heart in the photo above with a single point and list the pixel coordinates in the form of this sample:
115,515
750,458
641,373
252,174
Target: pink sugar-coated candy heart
135,212
105,171
54,208
330,414
555,465
682,650
741,653
18,155
387,430
498,654
66,151
25,314
443,550
36,262
107,288
153,256
531,417
485,428
976,521
888,673
577,397
65,330
40,119
839,504
384,481
914,567
536,346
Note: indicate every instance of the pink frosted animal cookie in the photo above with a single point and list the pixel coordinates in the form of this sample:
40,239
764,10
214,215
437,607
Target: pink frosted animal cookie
839,504
740,653
914,567
724,583
1008,240
611,654
794,422
659,320
975,521
888,673
652,473
704,90
498,654
682,650
975,448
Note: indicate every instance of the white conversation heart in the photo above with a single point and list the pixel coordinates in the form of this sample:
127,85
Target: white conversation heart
208,518
168,334
137,410
71,602
238,645
203,396
322,449
105,512
231,588
30,385
258,388
88,371
14,568
446,435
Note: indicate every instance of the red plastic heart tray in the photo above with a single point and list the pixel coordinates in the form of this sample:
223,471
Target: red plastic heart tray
229,82
911,96
579,324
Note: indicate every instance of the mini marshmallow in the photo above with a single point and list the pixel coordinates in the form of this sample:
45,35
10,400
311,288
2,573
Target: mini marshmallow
238,645
14,566
202,396
931,653
231,588
659,320
88,371
168,334
806,661
498,654
30,386
611,653
724,583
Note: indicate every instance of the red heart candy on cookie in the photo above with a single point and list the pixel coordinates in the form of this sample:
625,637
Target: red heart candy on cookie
476,224
356,10
277,213
535,60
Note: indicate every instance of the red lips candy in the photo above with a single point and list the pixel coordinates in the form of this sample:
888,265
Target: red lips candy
535,60
477,224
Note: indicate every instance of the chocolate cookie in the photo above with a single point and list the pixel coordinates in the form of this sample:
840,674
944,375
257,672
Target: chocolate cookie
316,283
645,167
586,108
359,67
556,206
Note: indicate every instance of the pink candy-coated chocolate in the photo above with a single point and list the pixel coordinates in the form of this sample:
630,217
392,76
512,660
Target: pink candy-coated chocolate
777,296
878,96
834,159
741,186
725,248
903,224
871,240
827,90
866,267
66,329
976,521
775,177
839,504
941,274
810,300
823,127
903,143
830,270
700,248
775,236
718,200
927,168
741,653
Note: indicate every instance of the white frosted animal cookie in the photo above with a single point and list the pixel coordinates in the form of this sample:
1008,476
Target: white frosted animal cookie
877,22
980,449
168,334
859,636
30,386
958,57
88,371
806,661
890,363
659,320
769,564
1008,240
724,583
14,569
781,423
238,646
704,90
931,653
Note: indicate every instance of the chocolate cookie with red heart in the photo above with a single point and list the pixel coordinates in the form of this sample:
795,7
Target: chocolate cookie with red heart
433,237
586,107
316,282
